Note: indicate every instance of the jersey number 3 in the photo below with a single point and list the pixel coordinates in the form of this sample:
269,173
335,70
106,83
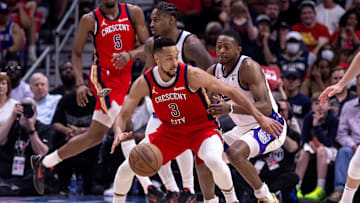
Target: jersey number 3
174,110
117,42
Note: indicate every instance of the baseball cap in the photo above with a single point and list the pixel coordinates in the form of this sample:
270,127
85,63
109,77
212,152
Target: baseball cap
263,17
288,73
4,8
284,24
307,3
293,35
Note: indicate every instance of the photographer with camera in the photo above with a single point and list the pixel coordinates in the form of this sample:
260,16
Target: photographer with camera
20,137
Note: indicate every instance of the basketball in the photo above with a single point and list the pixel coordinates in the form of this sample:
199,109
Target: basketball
145,159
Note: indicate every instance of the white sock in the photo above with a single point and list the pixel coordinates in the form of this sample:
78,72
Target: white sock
185,162
213,200
321,183
230,196
263,192
51,159
119,199
348,195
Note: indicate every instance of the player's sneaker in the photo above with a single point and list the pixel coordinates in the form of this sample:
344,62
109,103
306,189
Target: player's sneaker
264,200
38,173
187,197
155,195
317,194
299,193
171,197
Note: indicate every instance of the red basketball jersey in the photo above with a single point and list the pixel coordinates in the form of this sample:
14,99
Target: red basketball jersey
113,36
177,105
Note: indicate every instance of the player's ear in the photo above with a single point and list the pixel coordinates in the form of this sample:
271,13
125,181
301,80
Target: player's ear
172,20
156,58
239,49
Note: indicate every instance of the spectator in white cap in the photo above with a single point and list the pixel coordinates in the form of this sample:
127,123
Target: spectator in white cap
295,56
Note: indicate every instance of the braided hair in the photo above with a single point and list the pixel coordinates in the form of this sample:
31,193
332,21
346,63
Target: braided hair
169,8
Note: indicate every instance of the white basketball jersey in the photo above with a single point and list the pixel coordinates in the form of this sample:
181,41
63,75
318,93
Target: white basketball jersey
180,44
232,78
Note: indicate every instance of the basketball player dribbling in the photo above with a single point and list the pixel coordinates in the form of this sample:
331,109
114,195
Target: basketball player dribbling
176,90
353,178
164,24
113,27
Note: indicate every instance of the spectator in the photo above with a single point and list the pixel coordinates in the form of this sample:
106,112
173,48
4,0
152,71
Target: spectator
45,102
347,36
278,172
337,101
329,14
11,39
327,52
319,79
295,56
299,102
313,33
212,31
69,121
7,104
20,89
283,29
263,49
21,137
67,78
318,135
273,11
289,12
348,136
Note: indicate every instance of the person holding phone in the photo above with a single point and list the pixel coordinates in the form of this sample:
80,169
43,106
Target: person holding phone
21,136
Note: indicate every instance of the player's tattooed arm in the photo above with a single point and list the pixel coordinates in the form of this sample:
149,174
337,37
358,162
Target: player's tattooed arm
149,61
194,51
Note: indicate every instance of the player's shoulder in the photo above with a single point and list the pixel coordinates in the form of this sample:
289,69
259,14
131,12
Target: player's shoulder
134,10
88,17
211,69
149,43
192,40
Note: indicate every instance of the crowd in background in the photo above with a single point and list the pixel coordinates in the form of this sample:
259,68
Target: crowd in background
302,46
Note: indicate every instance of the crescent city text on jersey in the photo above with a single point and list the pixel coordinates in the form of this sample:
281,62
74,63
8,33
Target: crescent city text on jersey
170,97
113,28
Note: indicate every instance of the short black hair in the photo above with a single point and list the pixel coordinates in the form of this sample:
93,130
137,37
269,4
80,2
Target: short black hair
168,8
233,34
161,42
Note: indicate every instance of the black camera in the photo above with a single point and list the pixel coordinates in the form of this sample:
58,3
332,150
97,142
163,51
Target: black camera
28,110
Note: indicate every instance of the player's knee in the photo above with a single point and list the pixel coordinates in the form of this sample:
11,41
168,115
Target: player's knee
238,152
212,161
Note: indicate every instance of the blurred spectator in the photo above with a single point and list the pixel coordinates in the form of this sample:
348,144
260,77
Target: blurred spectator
319,78
20,89
355,5
300,103
7,104
329,14
225,14
295,56
318,135
313,33
22,136
212,31
69,121
327,52
67,78
338,100
348,135
347,36
273,10
263,49
45,102
11,35
278,172
289,12
283,29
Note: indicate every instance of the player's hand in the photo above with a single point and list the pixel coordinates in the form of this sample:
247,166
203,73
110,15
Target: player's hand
329,92
120,59
81,95
271,126
119,138
220,108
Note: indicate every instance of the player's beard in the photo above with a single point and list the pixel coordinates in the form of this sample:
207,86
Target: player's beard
167,73
110,5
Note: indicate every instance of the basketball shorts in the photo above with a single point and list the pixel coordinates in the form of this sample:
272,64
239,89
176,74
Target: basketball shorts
172,141
110,91
258,140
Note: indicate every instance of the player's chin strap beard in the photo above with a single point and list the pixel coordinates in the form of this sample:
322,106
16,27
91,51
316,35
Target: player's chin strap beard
110,5
167,73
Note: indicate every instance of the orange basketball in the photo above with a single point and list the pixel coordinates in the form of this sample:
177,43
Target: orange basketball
145,159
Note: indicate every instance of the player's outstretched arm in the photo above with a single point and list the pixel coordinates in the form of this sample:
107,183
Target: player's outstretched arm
198,78
138,90
353,71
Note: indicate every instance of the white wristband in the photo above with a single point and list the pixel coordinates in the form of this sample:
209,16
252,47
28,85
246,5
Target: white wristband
231,108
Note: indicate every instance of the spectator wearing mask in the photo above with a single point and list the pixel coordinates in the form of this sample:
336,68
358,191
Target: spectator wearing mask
7,104
45,102
20,89
318,135
20,137
329,14
212,31
67,78
314,34
295,56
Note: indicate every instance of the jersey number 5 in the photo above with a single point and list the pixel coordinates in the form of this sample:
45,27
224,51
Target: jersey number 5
174,110
117,42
